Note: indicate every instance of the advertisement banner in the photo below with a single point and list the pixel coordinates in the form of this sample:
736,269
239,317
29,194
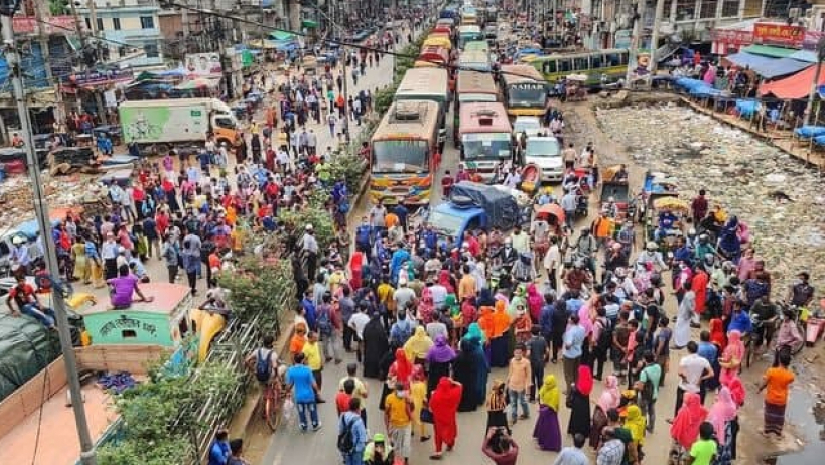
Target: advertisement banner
204,64
779,34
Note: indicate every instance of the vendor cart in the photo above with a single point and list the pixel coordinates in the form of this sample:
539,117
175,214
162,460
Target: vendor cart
575,88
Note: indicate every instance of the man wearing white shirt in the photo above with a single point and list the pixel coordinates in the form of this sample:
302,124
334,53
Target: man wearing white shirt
552,262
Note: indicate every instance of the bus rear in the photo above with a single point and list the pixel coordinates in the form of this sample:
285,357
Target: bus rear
403,149
485,137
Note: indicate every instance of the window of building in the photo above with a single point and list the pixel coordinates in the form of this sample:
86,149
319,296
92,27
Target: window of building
116,23
685,10
100,24
122,51
151,50
707,9
147,22
730,9
88,24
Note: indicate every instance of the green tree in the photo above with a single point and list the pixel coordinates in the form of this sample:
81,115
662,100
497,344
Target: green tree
58,7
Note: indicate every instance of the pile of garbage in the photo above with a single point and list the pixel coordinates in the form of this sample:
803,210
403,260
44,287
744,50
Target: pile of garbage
773,192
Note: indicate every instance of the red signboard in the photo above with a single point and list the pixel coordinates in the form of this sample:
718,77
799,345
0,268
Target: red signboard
732,36
781,34
51,25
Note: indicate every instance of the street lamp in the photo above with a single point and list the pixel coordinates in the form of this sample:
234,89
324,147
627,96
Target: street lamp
820,57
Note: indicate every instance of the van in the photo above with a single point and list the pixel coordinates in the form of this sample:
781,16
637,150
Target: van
545,152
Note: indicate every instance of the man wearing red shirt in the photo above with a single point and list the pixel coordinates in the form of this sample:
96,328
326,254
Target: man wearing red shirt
26,301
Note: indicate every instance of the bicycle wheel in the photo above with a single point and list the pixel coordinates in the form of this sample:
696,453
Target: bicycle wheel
271,414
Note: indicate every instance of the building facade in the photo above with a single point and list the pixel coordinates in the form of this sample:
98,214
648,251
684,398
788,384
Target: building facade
131,29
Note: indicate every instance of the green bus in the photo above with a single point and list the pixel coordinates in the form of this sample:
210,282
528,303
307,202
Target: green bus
599,66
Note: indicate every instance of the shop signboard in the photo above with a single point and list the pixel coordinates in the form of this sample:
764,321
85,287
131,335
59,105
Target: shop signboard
778,34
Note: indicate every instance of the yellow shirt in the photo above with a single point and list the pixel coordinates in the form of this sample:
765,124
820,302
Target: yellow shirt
385,296
466,287
238,237
312,352
396,408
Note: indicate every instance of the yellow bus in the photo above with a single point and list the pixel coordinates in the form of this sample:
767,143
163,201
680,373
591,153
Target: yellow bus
404,153
524,90
599,66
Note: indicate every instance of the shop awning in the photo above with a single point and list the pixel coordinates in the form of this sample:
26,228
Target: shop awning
804,55
792,87
769,51
766,66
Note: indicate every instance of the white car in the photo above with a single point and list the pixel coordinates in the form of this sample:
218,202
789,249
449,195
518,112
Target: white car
529,125
546,153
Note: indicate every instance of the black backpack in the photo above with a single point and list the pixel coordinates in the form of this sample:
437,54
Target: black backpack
606,335
346,443
263,365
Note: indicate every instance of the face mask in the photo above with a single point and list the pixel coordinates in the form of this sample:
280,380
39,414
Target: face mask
797,282
401,394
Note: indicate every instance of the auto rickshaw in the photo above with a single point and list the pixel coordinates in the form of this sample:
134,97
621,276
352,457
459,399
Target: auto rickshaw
671,211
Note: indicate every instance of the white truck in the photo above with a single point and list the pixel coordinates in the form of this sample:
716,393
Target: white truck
173,122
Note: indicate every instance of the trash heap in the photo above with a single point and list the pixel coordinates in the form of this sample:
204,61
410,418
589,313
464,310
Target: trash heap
779,198
16,195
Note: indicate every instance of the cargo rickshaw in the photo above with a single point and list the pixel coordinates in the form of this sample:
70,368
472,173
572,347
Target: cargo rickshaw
615,189
665,221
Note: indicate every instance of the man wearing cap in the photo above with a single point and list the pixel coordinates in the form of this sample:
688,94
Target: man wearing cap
379,452
309,247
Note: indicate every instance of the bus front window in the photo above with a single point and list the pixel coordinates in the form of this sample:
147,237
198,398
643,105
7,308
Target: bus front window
527,95
486,146
400,156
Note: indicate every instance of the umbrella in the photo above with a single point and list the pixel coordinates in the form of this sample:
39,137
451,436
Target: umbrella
551,209
671,203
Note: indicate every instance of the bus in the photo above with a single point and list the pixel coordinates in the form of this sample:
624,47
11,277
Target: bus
485,136
472,86
467,34
524,90
439,40
599,66
404,148
477,45
427,84
432,57
475,60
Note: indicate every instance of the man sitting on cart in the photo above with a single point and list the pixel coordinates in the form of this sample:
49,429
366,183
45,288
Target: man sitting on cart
667,224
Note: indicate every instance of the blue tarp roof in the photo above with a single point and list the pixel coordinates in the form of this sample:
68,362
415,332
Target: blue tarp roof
767,66
804,55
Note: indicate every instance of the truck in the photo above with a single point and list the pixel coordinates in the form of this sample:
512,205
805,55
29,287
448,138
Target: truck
471,206
170,123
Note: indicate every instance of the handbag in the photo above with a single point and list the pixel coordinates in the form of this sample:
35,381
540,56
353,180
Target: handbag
426,416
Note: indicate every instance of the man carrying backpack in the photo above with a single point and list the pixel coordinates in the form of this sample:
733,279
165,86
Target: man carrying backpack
352,434
264,362
329,328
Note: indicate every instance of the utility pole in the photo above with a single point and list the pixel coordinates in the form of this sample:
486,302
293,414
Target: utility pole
87,452
820,56
59,112
654,39
634,43
101,108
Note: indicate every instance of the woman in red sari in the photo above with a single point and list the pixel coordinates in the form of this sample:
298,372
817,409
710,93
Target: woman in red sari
444,405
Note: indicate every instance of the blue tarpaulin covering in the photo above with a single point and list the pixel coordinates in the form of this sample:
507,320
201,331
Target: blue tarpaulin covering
766,66
746,108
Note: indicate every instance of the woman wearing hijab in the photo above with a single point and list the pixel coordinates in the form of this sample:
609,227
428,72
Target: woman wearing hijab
717,334
418,395
558,327
497,407
499,342
637,424
444,280
470,369
534,301
444,405
722,416
737,394
486,323
609,399
418,345
375,345
400,371
732,356
426,307
578,399
439,359
519,299
547,431
522,325
685,427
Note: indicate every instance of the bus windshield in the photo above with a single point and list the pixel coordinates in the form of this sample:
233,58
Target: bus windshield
527,94
473,97
486,146
400,156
